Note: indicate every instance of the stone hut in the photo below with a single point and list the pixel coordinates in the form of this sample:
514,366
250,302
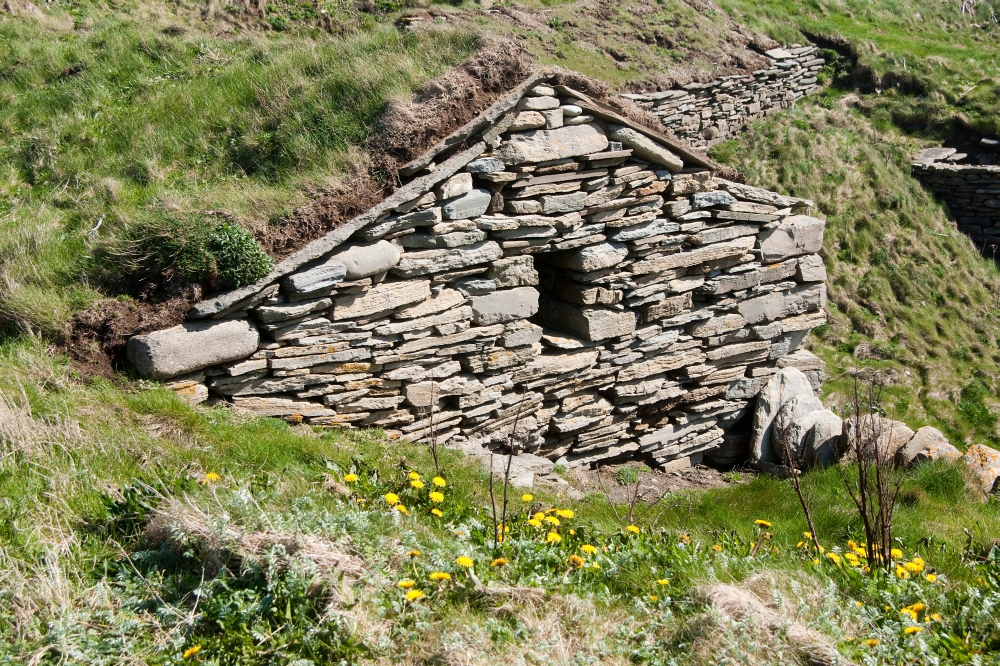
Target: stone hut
551,274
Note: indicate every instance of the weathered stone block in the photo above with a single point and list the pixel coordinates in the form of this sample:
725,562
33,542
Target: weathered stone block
191,346
645,148
437,261
471,204
513,272
796,235
544,145
504,306
384,297
589,323
590,258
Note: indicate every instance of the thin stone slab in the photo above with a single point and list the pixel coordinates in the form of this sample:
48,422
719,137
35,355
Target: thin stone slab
436,261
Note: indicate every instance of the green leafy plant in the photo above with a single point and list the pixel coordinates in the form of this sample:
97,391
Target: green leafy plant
239,258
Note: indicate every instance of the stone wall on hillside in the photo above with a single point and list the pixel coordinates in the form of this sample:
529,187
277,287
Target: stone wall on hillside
971,192
566,280
705,114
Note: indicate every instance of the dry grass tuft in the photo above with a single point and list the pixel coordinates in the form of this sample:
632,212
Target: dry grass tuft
22,433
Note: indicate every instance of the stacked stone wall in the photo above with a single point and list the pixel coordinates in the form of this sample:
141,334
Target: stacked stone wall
567,282
705,114
972,194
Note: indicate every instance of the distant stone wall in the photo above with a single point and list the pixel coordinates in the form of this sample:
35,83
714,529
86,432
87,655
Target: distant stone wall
705,114
972,194
569,281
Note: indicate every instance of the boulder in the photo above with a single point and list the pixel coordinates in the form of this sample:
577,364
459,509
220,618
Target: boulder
471,204
879,436
590,258
795,418
926,444
822,441
781,387
796,235
366,259
191,346
645,148
504,306
545,145
984,463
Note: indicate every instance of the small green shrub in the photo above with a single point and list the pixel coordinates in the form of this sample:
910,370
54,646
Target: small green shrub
626,476
239,258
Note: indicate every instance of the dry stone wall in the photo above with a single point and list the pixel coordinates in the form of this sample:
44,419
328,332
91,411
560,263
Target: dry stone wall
571,282
705,114
972,193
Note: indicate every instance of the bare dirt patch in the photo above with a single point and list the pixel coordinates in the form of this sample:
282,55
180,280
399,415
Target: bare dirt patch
654,483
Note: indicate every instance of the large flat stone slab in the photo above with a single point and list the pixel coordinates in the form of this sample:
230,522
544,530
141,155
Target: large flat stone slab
796,235
589,323
437,261
191,346
544,145
384,297
645,148
503,306
590,258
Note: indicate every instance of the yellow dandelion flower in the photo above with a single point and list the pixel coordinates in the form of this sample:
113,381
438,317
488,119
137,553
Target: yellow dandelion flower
527,497
896,552
464,561
539,516
572,532
414,553
552,520
909,631
406,584
815,560
553,537
852,544
859,604
350,478
402,509
717,547
566,514
930,578
576,561
935,616
866,569
440,575
902,573
392,499
852,559
871,642
588,549
833,557
419,485
801,544
654,597
535,523
436,496
439,482
191,651
807,535
413,476
918,606
913,567
413,595
663,581
500,562
437,512
762,523
632,529
684,539
212,477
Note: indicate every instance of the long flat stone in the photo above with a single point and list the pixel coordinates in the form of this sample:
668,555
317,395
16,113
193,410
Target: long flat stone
383,297
590,258
438,261
647,149
504,306
590,323
545,145
191,346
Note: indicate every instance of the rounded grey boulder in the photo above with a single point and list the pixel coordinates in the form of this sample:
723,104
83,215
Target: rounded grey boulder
191,346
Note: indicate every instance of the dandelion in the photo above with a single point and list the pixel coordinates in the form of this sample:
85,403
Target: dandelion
350,478
413,595
653,597
896,553
935,616
595,566
859,604
684,539
632,529
440,575
413,476
663,581
566,514
392,499
909,631
918,606
539,516
402,509
871,642
834,558
437,512
436,496
576,561
419,485
500,562
816,560
464,561
553,537
762,523
212,477
414,553
191,651
913,567
852,559
930,578
406,584
902,573
717,548
439,482
527,497
552,520
535,523
807,535
588,549
572,532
